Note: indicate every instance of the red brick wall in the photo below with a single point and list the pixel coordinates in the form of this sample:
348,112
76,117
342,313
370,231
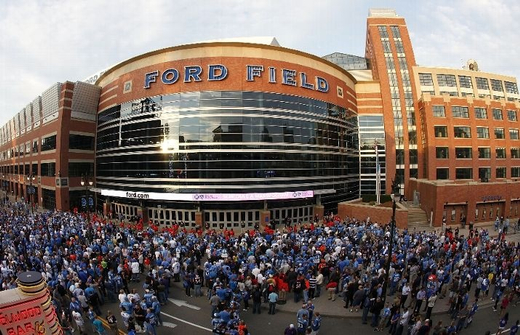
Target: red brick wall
379,214
465,198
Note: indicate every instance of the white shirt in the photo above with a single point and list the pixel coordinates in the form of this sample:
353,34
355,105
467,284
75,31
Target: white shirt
405,290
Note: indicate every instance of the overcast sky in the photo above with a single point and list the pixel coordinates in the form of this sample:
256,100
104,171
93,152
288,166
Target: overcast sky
44,42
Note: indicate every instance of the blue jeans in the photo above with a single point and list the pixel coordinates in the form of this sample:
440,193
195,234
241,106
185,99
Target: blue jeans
297,296
257,306
272,307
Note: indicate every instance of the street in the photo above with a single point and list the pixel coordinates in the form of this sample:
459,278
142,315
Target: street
190,315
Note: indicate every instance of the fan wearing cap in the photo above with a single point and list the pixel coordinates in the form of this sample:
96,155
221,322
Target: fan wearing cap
290,330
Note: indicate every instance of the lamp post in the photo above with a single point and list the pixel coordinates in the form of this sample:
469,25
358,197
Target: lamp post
395,193
30,190
87,182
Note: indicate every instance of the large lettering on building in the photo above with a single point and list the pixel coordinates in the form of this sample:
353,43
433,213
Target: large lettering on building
219,72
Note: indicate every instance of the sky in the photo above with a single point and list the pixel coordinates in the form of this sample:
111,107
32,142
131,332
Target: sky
47,41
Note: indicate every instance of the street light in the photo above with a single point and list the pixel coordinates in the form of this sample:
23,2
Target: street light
30,190
87,182
395,194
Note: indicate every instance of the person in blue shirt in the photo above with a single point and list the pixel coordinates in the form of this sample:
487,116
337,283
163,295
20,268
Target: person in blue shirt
514,328
302,324
502,324
316,324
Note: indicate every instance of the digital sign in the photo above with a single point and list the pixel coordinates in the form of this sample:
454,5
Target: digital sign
209,196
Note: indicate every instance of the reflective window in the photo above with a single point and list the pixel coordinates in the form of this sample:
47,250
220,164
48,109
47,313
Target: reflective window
438,111
511,87
465,81
462,132
442,152
484,173
446,80
480,113
78,169
48,143
511,115
500,152
497,114
463,173
499,133
274,141
484,152
496,85
81,142
462,153
482,83
48,169
443,173
426,79
460,111
441,131
482,132
501,172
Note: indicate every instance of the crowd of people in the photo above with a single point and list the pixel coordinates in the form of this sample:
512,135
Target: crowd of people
87,262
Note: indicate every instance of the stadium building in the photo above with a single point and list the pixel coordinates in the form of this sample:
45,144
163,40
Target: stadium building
239,133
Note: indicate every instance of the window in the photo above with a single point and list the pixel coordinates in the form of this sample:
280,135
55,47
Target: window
515,172
496,85
513,134
511,115
464,173
443,173
48,169
441,152
438,111
78,169
35,147
462,132
446,80
441,131
500,152
484,174
450,93
501,172
462,153
480,113
395,31
497,114
460,111
465,81
482,83
482,132
399,156
49,143
484,152
511,87
499,133
382,31
81,142
426,79
515,152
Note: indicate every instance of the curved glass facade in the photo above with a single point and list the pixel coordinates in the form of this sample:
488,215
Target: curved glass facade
229,142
